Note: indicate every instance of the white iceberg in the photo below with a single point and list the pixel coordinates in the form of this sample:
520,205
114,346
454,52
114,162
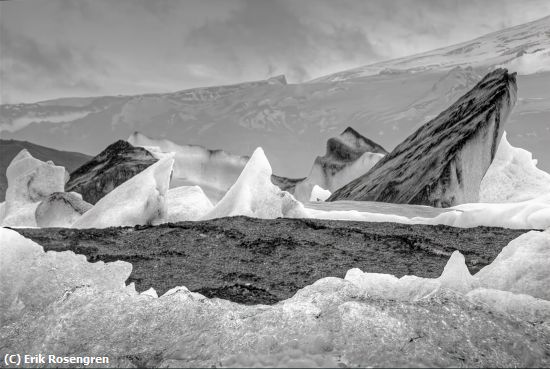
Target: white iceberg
513,176
523,266
319,194
186,203
29,181
139,200
254,195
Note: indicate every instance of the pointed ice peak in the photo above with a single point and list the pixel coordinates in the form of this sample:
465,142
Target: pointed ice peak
258,163
254,195
456,275
22,155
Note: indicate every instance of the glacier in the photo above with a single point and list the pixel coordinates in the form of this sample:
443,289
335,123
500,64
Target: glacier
254,195
139,200
59,303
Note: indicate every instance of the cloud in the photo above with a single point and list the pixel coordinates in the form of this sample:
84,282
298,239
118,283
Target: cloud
272,35
76,47
27,65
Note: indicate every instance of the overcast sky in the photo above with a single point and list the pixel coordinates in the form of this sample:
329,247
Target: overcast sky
59,48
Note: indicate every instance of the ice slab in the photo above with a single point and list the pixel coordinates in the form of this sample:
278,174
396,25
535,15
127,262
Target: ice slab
186,203
319,194
521,267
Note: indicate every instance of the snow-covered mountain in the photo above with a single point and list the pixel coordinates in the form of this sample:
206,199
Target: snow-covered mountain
386,102
524,48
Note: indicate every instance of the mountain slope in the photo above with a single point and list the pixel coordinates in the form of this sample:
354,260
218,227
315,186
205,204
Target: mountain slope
509,47
10,148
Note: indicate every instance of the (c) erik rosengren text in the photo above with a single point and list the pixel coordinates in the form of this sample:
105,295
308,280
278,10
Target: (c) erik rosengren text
24,359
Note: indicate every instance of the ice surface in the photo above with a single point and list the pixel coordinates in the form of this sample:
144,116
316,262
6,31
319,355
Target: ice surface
513,176
525,307
213,171
29,181
32,280
139,200
319,194
61,209
254,195
455,277
530,214
61,304
523,266
186,203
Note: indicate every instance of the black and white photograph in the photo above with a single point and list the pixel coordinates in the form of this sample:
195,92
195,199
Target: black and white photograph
274,183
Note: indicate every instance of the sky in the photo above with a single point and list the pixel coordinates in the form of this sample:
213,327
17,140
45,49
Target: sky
66,48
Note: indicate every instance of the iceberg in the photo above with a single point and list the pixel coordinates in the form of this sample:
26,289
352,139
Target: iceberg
521,267
319,194
348,156
513,176
29,181
139,200
61,209
186,203
254,195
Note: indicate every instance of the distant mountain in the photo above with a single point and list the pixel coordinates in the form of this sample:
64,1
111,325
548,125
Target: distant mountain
10,148
521,45
386,102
